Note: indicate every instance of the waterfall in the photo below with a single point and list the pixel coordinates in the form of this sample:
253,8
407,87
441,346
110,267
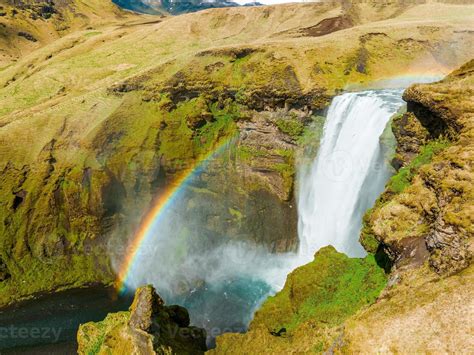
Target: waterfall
347,175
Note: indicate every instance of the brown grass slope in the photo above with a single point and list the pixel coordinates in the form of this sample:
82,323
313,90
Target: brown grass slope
26,25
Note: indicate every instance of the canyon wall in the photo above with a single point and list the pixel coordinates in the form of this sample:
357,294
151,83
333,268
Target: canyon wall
96,124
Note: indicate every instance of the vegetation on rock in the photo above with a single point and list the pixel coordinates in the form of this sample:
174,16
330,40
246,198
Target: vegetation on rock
423,214
308,313
325,291
293,127
148,327
423,221
405,175
423,224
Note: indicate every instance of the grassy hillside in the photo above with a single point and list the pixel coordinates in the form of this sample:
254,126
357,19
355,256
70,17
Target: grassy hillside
26,25
54,80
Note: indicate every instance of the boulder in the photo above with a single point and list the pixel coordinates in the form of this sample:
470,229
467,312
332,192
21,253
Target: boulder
149,327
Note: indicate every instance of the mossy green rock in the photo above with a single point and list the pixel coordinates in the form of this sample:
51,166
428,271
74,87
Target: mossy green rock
425,213
316,300
149,327
327,290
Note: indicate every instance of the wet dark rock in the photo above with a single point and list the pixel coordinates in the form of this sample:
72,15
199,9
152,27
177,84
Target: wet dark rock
144,308
4,273
179,315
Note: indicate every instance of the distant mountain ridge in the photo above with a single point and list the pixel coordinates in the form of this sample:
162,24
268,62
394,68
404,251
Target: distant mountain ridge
175,7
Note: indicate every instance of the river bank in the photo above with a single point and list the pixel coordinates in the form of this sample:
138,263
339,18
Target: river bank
48,323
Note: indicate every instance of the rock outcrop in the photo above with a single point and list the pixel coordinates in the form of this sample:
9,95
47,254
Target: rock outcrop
426,211
149,327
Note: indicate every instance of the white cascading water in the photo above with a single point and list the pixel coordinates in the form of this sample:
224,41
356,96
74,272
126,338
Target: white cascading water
347,175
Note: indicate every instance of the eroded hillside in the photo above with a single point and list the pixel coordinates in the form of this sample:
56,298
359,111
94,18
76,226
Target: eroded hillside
26,25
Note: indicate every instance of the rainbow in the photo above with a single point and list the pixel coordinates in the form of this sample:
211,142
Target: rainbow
159,206
400,81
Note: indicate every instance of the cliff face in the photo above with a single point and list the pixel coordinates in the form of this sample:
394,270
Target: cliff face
424,222
97,123
421,227
426,211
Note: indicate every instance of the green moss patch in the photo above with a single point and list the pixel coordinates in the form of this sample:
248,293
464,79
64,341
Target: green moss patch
326,292
403,178
222,125
33,276
367,238
291,126
396,185
307,316
92,335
